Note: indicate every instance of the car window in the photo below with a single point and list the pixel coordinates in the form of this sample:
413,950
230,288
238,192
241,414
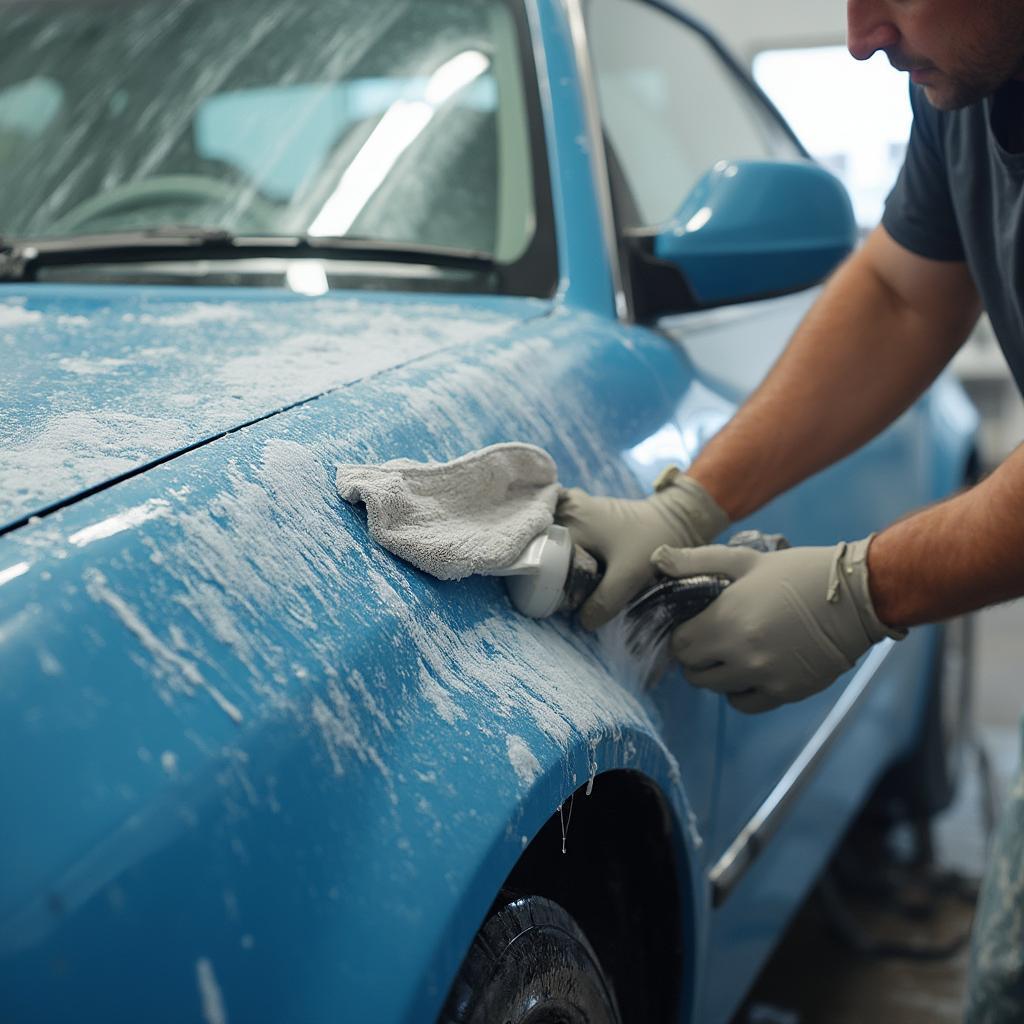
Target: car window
233,126
399,122
671,108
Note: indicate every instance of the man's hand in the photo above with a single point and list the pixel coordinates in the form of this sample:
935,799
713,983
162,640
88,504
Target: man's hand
623,534
789,624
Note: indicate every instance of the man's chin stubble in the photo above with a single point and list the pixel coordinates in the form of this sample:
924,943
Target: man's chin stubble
949,96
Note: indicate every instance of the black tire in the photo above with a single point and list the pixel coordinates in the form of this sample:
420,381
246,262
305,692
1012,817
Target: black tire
531,964
928,779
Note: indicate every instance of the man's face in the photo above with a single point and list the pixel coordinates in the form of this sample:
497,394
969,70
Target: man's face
959,50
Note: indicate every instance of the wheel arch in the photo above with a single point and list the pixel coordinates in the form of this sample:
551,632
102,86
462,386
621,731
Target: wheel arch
624,852
632,844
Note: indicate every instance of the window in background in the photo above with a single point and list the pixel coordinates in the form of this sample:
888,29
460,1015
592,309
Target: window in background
671,108
853,116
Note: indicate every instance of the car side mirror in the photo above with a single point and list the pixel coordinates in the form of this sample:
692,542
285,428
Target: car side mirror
750,230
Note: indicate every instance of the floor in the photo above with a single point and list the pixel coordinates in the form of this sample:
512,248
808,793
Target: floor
816,978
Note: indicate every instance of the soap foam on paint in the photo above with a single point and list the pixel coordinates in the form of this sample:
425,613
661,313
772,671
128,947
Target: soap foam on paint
75,449
266,565
256,556
240,361
522,759
211,1000
17,316
179,673
89,366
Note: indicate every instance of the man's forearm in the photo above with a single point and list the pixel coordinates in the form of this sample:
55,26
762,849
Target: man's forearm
954,557
864,352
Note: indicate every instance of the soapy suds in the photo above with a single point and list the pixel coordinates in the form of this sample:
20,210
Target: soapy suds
49,664
522,759
339,727
18,316
636,666
197,314
449,411
89,366
210,999
442,702
74,450
241,361
256,556
180,674
269,567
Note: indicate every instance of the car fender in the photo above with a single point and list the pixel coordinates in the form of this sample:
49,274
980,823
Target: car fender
227,710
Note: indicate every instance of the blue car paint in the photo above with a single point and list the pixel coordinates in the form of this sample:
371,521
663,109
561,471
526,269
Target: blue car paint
751,227
157,840
298,889
585,274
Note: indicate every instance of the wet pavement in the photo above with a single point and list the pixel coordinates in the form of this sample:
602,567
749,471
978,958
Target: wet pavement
816,977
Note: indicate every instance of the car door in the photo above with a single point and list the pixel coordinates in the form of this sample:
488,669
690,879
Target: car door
673,106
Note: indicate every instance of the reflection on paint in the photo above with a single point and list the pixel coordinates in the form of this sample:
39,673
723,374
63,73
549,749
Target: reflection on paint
123,521
699,219
662,447
307,277
14,571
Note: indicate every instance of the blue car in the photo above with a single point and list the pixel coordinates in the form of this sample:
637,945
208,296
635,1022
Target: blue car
254,768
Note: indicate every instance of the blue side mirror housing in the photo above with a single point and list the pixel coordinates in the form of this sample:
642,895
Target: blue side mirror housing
753,229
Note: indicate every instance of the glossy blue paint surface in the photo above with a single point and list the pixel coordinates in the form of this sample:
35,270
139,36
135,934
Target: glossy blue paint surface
753,228
249,755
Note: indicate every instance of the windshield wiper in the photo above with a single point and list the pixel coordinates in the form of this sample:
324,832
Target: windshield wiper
21,258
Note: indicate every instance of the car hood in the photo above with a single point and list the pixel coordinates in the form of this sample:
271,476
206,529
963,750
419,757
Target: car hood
99,382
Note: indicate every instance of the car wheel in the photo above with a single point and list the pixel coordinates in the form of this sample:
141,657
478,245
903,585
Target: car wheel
934,767
530,963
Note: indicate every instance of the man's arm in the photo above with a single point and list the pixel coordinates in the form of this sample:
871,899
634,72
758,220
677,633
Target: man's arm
884,327
954,557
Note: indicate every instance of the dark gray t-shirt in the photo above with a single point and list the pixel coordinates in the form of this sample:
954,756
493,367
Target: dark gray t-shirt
960,196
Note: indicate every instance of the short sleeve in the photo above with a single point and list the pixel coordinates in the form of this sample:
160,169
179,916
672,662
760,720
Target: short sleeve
919,211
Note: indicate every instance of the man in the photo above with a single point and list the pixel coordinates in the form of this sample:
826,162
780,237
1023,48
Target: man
885,325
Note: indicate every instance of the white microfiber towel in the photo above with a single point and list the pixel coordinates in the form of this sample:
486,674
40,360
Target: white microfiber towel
474,514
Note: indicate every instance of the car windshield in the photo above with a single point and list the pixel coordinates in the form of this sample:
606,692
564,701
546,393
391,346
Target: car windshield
405,122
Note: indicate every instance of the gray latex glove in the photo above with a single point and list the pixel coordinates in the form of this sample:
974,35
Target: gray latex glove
623,534
789,624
